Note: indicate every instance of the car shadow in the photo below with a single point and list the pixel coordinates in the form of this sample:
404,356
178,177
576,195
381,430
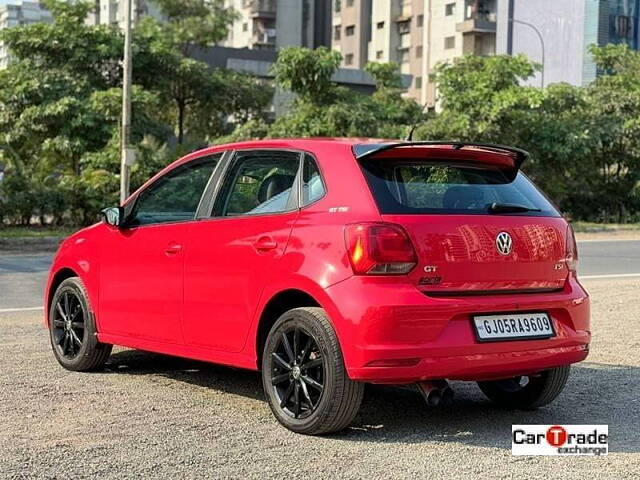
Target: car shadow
596,394
236,381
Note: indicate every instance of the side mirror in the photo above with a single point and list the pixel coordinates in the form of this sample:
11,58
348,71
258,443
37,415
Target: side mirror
113,216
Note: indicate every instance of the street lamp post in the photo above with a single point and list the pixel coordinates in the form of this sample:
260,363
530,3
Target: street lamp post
126,153
537,32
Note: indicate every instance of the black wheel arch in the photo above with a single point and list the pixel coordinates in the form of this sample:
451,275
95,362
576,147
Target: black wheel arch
277,305
60,276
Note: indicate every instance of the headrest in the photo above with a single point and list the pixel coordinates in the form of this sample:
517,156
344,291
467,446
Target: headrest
273,185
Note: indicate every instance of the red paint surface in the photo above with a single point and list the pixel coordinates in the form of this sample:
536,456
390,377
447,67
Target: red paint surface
197,289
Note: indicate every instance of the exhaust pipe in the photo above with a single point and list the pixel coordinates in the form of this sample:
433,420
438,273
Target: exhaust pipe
447,395
430,392
435,392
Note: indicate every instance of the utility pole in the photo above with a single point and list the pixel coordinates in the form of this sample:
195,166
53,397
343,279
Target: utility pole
126,153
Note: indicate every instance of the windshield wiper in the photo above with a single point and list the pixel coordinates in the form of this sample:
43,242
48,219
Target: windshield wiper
510,208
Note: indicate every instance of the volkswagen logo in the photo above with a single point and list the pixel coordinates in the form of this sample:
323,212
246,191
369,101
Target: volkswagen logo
504,243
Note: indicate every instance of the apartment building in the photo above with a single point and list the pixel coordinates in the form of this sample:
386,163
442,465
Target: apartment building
351,30
256,26
271,24
562,32
416,34
19,12
112,12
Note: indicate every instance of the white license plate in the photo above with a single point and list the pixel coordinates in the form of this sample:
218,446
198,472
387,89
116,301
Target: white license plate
516,326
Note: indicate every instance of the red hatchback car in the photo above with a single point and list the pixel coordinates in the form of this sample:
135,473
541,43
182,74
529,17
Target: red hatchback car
328,263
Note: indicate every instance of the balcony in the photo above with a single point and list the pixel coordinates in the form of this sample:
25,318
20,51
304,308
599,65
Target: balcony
479,17
478,23
264,39
262,9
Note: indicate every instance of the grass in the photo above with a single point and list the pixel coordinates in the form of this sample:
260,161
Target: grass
35,232
592,227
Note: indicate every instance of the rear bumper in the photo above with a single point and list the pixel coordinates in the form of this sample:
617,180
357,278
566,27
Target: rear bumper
390,332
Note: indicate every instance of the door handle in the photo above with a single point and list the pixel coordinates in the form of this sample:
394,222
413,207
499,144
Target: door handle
173,249
265,243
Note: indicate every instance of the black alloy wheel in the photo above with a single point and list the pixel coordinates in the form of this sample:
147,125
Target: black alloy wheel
72,329
297,372
68,325
304,375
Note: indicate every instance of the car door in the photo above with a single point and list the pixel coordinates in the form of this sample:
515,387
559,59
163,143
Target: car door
142,263
237,248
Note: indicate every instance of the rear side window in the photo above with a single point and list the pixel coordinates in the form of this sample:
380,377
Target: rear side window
259,182
439,188
312,186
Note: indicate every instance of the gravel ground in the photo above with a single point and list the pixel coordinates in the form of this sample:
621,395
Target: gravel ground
148,415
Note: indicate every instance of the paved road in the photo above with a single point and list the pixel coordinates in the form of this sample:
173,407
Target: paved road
22,277
22,280
609,257
153,416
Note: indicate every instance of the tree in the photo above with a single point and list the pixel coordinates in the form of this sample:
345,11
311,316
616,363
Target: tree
195,23
60,103
584,141
322,108
307,73
614,98
69,45
202,98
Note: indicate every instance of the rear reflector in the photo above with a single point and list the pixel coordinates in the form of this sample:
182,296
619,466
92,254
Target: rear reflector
379,249
393,362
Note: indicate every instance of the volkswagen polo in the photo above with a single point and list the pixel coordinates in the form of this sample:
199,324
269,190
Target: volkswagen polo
329,263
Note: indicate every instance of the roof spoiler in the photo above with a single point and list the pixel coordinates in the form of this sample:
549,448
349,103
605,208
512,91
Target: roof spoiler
517,155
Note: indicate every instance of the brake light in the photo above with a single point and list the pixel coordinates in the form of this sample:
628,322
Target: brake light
379,249
571,255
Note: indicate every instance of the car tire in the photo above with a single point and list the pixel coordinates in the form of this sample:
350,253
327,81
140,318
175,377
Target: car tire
539,390
72,329
312,357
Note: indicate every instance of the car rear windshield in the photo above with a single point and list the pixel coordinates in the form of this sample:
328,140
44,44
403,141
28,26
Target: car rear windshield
410,187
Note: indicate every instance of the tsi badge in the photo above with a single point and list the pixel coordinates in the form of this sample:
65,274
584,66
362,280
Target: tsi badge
560,439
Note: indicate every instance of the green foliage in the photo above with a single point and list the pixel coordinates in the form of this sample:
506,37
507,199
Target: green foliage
321,108
61,97
386,75
68,45
195,22
60,103
584,141
307,73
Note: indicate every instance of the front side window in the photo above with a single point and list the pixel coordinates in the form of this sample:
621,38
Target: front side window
175,196
258,182
312,186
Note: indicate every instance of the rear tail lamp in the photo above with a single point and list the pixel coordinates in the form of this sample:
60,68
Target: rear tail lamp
379,249
571,255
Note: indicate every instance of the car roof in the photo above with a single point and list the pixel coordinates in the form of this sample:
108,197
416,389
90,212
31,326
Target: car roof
360,147
311,143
